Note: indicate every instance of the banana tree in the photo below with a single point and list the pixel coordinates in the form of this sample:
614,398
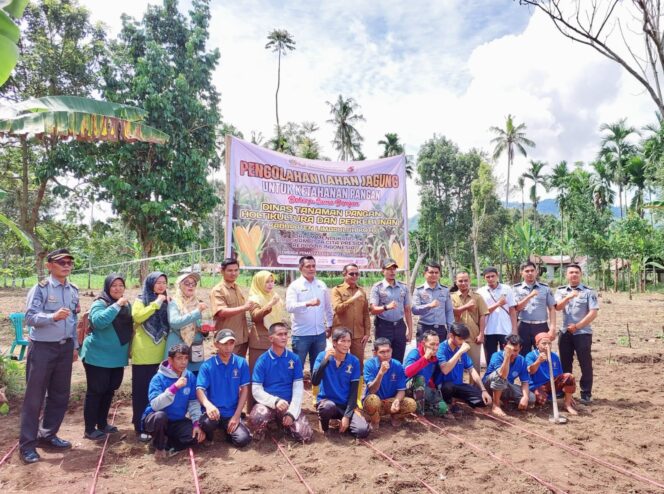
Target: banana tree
9,35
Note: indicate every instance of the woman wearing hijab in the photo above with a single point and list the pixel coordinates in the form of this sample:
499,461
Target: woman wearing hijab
270,309
104,354
185,313
150,313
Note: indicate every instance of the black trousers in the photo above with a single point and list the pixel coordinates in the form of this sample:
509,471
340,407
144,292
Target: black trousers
581,345
240,437
395,332
328,410
466,392
140,384
492,343
48,378
440,329
176,434
527,332
102,383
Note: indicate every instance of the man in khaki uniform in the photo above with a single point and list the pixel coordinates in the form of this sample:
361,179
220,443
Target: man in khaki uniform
229,306
470,309
351,310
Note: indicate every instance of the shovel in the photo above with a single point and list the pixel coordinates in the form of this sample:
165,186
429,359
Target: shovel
556,418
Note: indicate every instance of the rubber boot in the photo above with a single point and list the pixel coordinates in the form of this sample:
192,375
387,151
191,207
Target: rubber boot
314,392
360,389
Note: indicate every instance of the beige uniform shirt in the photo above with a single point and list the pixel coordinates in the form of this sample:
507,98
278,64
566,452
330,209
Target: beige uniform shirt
223,296
352,315
470,318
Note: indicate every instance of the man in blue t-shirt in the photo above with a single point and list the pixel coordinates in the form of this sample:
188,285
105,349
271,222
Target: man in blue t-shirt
503,369
337,372
222,387
277,387
386,386
540,382
453,359
172,414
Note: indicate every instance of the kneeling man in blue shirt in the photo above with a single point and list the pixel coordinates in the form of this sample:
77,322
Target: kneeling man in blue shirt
505,366
277,387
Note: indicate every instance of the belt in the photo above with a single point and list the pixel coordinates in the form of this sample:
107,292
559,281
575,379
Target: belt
389,323
59,342
434,326
533,322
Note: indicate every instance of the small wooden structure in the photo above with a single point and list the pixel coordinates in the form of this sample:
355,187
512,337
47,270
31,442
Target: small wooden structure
553,262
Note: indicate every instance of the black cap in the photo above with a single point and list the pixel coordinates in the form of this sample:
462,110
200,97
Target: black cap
388,263
58,254
224,335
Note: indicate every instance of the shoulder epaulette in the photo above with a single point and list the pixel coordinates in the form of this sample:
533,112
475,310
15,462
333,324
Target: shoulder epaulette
543,284
43,283
444,286
519,284
73,285
562,286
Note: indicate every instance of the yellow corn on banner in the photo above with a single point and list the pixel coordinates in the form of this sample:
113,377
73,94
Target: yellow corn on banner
281,207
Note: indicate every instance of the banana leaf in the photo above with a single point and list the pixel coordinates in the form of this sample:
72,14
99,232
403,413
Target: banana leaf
25,240
83,119
9,34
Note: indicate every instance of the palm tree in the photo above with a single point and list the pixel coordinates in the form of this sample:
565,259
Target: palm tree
534,174
347,140
281,42
521,182
601,183
616,150
392,147
636,172
512,136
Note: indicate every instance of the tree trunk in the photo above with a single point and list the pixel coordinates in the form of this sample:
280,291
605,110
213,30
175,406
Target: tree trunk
629,282
146,253
416,268
476,258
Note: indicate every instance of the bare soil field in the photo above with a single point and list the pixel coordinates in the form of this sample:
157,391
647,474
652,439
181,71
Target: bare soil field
622,432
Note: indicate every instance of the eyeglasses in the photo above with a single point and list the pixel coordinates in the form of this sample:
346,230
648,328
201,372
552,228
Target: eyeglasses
62,262
353,274
189,283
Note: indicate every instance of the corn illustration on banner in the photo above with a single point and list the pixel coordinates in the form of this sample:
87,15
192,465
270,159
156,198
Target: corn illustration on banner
281,207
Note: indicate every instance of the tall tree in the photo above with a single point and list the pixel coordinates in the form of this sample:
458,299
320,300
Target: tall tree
347,140
281,42
535,175
601,183
521,183
162,64
392,146
59,54
636,172
484,204
507,140
617,150
616,30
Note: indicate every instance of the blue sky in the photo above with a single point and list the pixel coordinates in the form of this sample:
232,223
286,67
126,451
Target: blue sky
448,67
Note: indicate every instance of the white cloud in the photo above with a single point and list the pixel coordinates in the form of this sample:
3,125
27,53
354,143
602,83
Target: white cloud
439,67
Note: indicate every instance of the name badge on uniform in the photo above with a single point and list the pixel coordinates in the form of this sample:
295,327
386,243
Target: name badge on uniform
51,299
426,297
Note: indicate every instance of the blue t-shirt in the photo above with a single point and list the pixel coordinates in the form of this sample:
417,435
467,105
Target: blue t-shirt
541,377
444,354
412,357
222,382
394,379
277,373
518,368
335,384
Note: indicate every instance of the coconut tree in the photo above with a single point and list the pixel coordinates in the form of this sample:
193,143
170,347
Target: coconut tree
617,151
280,42
347,140
392,147
534,174
636,172
511,138
601,182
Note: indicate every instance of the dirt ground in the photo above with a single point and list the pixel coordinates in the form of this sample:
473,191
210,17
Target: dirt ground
624,426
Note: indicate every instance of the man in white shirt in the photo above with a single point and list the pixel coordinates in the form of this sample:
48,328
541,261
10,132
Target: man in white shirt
501,320
308,301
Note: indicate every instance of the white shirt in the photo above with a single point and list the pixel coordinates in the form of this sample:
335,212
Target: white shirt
499,321
308,321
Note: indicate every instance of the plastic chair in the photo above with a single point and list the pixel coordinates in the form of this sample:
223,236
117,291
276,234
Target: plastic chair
17,319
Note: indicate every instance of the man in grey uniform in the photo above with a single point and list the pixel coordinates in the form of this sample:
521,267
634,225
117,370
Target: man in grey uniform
432,302
580,307
535,308
389,301
52,312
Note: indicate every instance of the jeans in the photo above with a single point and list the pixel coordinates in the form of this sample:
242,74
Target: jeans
310,345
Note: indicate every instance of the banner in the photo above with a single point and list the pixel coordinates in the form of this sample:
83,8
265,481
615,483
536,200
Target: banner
282,207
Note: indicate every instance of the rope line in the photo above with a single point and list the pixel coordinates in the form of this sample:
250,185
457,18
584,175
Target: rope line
9,453
299,476
503,461
194,471
398,466
605,463
103,450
